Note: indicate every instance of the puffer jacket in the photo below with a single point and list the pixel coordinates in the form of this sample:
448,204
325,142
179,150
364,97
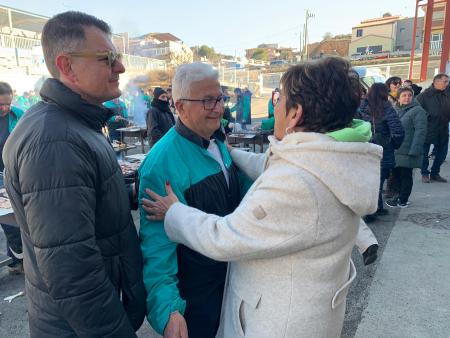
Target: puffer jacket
159,120
83,266
414,121
437,104
388,127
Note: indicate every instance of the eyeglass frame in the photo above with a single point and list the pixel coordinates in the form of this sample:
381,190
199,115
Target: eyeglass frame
217,100
111,57
274,103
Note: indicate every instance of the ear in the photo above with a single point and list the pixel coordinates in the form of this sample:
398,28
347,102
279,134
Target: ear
295,116
179,107
64,65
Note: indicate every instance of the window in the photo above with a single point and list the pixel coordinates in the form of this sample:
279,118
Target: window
436,37
359,33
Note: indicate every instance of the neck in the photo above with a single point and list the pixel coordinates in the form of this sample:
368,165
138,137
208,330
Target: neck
199,133
83,95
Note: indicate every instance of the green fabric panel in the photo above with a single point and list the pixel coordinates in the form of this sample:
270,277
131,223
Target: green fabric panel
14,119
359,131
268,124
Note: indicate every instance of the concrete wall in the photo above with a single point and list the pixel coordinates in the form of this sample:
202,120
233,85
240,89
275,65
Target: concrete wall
405,27
387,30
371,40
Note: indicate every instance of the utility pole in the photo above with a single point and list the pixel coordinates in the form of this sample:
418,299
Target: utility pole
308,16
300,49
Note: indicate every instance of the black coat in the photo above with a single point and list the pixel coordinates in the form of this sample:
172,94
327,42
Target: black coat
83,264
437,104
159,120
386,127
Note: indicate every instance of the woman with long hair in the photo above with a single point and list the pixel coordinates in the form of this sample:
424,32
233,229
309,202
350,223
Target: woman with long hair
290,240
387,132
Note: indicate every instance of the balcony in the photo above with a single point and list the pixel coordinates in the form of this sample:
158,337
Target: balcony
435,47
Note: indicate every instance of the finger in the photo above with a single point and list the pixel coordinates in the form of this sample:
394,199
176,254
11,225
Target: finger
169,189
155,217
146,202
157,209
152,194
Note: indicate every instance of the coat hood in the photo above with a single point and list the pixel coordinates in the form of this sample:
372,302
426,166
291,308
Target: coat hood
350,170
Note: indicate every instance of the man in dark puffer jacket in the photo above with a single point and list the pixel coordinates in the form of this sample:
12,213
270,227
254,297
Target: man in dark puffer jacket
82,261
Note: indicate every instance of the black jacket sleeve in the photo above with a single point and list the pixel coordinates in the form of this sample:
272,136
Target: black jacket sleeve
60,206
154,128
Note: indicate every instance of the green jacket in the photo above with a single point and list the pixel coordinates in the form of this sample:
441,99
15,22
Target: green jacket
14,116
414,120
195,176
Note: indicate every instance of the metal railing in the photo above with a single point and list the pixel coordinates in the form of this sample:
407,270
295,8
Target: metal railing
435,47
11,41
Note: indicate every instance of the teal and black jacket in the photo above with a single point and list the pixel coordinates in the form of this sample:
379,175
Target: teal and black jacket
14,115
177,278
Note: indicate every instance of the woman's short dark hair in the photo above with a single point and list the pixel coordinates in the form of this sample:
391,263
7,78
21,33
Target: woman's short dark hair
393,79
377,97
328,91
5,89
65,33
405,89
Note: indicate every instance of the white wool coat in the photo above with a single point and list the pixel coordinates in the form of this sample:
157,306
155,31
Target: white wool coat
290,240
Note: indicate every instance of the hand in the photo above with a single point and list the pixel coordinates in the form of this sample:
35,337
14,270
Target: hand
157,208
176,327
119,118
229,147
256,126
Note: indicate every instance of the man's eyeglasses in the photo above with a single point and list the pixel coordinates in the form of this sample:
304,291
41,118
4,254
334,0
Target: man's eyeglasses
110,57
208,104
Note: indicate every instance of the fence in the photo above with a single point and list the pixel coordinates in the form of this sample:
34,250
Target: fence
19,54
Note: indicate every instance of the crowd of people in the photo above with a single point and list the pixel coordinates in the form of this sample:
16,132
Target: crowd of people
406,122
231,243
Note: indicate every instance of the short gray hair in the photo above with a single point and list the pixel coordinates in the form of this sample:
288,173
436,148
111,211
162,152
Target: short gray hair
187,74
64,33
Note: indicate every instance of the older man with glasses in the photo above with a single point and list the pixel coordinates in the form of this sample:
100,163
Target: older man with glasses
82,262
185,288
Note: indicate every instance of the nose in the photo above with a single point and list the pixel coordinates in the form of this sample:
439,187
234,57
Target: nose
118,67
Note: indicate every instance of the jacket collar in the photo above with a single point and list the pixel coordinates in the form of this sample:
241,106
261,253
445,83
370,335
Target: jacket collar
195,138
94,116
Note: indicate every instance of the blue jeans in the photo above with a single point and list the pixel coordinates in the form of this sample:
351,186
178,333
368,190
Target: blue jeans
440,152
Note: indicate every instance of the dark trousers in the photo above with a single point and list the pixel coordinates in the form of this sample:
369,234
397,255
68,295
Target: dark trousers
440,152
403,182
384,174
13,242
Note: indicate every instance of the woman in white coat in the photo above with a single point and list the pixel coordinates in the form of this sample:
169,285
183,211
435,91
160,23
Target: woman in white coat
290,240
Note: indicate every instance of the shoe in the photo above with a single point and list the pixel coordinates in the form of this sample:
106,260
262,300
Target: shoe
371,254
16,268
402,205
426,179
438,178
393,203
369,218
382,212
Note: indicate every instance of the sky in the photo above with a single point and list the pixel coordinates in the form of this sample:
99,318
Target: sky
230,27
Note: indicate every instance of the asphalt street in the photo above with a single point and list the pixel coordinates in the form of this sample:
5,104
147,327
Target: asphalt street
404,293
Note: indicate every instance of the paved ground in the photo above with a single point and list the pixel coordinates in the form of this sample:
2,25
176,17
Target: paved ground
404,294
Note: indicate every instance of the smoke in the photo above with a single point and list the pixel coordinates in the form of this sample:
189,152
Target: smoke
137,104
